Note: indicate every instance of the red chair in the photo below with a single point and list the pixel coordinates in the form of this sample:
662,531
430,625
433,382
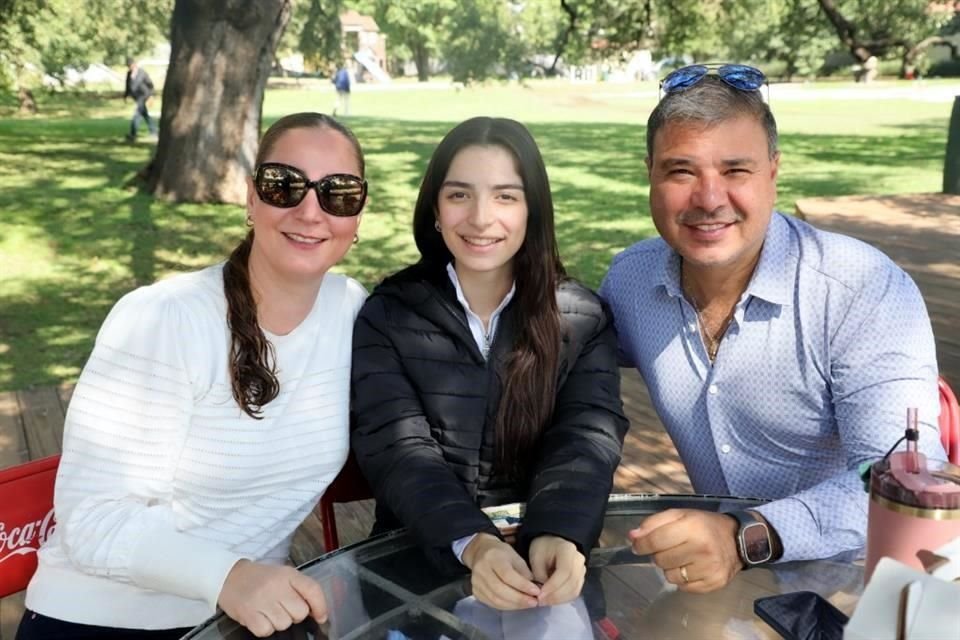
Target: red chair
949,422
348,486
26,519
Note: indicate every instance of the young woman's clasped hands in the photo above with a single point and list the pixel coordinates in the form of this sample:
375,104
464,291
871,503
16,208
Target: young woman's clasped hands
502,579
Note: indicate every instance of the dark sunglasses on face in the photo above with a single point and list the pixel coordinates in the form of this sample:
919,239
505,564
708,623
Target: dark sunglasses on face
738,76
283,186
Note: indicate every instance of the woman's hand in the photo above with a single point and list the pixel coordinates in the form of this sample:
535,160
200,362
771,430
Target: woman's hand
559,567
268,598
500,578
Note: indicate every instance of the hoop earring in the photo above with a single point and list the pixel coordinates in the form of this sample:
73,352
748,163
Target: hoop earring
436,225
249,220
356,238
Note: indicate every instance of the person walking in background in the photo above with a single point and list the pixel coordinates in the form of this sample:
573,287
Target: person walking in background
341,82
139,86
483,375
210,418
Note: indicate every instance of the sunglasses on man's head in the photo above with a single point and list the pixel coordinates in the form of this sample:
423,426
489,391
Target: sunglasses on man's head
280,185
738,76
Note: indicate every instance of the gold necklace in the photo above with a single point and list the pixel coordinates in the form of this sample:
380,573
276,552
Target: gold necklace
710,342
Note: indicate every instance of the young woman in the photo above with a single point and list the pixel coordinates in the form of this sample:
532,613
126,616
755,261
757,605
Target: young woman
210,417
483,376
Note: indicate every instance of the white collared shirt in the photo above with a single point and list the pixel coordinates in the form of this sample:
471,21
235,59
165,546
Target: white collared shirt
482,336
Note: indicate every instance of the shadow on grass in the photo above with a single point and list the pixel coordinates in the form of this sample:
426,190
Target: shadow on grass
80,239
79,105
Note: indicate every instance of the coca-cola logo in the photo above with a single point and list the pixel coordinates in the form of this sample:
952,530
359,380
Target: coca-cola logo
25,539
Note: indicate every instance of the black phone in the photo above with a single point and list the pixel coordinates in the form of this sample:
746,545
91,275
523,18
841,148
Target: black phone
801,615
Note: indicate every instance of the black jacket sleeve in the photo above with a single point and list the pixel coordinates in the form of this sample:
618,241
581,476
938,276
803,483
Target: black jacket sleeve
580,450
397,450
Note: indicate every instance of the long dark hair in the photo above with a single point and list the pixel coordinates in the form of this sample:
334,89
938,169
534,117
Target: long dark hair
253,376
529,381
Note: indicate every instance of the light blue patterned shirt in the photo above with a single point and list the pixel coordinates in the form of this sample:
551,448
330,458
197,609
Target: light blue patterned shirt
828,346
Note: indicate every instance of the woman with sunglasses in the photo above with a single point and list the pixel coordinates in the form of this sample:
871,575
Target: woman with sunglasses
210,417
483,376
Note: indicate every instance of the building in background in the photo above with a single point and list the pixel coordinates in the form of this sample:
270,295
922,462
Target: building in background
365,46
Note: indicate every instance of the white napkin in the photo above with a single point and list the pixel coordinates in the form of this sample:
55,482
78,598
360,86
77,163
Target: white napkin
933,612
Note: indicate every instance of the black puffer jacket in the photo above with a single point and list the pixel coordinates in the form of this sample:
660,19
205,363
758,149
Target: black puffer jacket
424,404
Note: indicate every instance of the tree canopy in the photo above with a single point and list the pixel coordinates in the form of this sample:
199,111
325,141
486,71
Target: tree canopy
476,39
50,36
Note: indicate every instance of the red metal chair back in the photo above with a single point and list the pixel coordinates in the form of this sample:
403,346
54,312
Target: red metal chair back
348,486
26,519
949,422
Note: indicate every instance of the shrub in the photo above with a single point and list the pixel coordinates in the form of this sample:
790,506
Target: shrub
944,69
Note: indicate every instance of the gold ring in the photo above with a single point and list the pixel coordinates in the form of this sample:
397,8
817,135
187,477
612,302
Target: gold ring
683,574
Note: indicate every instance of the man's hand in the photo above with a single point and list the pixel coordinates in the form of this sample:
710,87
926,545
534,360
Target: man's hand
559,567
697,550
269,598
500,578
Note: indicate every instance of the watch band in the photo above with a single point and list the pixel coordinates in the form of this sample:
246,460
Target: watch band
743,518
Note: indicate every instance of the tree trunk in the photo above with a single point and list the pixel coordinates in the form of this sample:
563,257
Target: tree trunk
421,58
221,52
28,105
564,38
846,31
908,64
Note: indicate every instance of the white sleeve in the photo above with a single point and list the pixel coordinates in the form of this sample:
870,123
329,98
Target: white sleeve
124,431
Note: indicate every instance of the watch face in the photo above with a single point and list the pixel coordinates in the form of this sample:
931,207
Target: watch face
756,543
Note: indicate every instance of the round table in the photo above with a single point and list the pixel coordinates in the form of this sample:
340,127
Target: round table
385,588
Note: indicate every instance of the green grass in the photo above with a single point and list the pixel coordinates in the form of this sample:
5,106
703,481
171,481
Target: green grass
74,236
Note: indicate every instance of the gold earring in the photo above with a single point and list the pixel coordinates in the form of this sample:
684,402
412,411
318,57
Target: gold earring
356,238
249,220
436,225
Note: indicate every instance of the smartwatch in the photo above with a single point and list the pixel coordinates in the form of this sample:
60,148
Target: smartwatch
754,544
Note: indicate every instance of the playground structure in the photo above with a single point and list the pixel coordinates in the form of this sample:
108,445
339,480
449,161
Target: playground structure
369,63
365,46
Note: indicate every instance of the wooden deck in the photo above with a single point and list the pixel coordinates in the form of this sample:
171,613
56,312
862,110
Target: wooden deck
921,233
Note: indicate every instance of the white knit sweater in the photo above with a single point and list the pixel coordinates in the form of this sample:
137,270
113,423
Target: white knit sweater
164,482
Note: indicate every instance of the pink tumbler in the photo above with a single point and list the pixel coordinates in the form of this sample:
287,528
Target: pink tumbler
914,505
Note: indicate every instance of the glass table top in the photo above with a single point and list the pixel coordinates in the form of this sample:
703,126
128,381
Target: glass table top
384,588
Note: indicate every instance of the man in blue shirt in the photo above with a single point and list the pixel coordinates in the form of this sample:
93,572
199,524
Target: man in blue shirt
341,82
779,357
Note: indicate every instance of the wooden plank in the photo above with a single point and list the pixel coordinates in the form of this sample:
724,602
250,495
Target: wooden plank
307,541
65,392
650,463
42,421
13,442
11,610
354,521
